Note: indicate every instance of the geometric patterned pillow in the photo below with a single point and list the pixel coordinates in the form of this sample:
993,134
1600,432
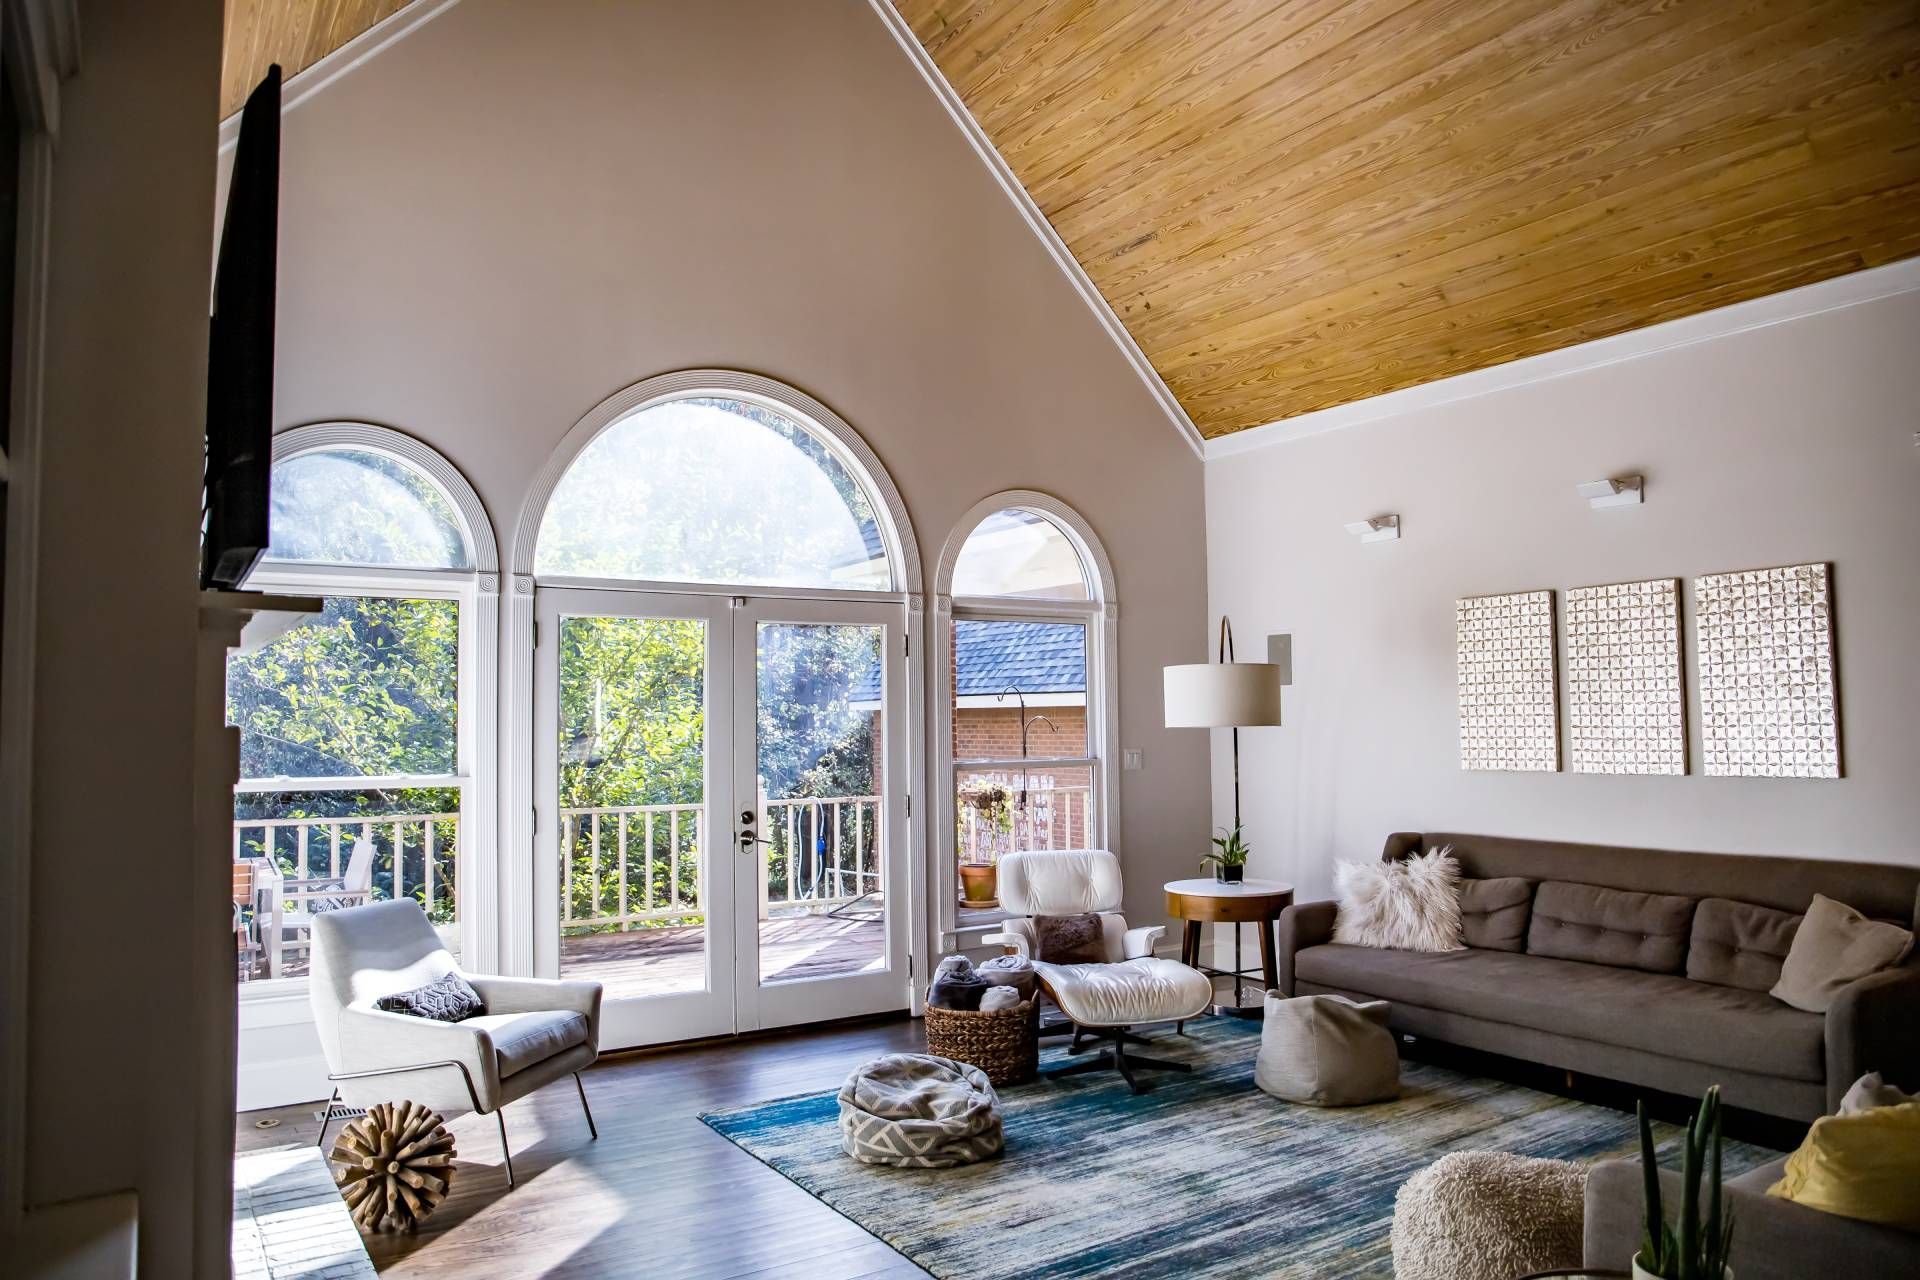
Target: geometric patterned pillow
448,999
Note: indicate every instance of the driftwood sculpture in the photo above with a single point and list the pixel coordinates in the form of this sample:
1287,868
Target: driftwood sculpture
393,1166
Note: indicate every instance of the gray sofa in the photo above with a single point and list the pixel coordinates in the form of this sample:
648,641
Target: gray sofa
1638,965
1772,1239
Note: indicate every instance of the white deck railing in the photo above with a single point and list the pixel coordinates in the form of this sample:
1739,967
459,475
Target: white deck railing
616,856
604,849
1056,816
415,854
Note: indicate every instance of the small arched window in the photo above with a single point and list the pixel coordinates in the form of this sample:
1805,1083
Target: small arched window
354,506
1028,741
357,737
715,489
1020,554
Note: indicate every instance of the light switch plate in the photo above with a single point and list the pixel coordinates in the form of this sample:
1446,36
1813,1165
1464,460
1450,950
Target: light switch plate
1280,654
1132,759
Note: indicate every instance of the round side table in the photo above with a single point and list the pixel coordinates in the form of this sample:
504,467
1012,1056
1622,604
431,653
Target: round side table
1207,901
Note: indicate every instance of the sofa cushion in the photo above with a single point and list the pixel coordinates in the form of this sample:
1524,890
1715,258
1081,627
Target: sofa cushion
523,1040
1835,947
1493,913
1737,944
1610,926
1656,1013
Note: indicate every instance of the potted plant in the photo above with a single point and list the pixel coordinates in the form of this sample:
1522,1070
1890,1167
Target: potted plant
991,807
1229,856
1698,1250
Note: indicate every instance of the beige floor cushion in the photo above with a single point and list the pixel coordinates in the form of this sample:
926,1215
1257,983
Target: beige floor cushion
1488,1215
1328,1051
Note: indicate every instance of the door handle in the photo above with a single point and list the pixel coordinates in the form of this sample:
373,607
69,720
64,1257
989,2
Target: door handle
748,840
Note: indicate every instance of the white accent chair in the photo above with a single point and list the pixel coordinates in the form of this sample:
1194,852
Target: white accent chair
534,1030
1131,988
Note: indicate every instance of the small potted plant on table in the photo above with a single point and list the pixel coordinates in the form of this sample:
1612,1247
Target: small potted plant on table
1698,1250
1229,856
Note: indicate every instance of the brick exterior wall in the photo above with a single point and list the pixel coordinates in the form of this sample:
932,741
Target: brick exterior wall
993,733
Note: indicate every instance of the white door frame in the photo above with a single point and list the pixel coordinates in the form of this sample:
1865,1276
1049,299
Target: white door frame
889,987
733,998
708,1011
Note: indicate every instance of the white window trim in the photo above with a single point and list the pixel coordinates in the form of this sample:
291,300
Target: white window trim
477,592
517,889
1102,617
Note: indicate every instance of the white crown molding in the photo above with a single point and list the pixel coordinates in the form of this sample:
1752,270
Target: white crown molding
1722,322
372,42
1037,223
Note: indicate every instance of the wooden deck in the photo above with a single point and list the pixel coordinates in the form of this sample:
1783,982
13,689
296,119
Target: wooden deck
652,962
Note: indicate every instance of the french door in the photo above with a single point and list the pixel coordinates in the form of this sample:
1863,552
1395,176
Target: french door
721,836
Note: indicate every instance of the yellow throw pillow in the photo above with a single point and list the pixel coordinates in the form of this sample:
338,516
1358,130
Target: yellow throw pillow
1865,1166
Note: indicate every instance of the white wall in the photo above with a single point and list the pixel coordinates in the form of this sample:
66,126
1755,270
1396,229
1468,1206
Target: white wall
121,1035
1780,445
520,209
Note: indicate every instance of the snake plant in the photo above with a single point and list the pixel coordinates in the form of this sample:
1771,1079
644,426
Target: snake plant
1698,1251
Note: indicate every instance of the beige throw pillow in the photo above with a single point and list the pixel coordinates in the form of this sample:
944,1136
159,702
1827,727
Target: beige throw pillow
1835,946
1409,905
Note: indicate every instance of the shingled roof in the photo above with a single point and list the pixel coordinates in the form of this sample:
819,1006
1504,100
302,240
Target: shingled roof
1039,657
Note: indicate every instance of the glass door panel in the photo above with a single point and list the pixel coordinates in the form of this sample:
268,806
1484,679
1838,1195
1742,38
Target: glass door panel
641,905
827,919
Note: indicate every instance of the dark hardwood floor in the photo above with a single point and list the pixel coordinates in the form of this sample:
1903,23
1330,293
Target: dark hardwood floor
659,1195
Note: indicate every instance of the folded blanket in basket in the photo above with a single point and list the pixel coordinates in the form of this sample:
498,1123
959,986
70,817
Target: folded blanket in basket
999,996
1011,971
957,990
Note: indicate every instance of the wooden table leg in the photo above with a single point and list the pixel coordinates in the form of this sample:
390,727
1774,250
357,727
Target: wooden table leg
1190,943
1269,961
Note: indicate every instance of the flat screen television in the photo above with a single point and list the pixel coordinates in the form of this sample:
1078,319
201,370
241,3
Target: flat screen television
240,350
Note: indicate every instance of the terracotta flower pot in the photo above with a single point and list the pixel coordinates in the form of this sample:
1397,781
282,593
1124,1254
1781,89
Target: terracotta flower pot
978,881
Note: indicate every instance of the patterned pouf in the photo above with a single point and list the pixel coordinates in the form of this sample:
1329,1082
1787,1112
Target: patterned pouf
919,1112
1488,1215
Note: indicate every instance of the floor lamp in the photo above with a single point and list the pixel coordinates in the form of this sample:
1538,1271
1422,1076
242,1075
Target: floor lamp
1225,695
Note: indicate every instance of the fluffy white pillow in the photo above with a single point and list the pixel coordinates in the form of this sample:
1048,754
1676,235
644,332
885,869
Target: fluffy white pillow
1409,905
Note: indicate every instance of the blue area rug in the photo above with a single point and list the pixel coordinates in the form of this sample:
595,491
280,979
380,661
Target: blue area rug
1204,1176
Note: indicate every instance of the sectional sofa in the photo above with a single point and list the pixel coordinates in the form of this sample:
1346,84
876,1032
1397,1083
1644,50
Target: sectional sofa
1640,965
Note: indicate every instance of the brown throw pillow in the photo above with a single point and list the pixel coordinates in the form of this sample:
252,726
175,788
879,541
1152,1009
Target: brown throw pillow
1836,946
1080,939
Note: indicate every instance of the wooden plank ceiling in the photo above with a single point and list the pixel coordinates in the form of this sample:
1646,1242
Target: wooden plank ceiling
1294,205
294,33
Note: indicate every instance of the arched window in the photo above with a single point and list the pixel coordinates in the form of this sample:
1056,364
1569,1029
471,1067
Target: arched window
359,726
351,506
717,489
1021,554
1026,710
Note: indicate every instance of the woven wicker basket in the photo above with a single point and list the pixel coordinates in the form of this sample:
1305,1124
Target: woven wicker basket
1004,1043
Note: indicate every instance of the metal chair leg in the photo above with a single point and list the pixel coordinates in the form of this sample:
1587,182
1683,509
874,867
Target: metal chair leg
591,1127
505,1153
326,1118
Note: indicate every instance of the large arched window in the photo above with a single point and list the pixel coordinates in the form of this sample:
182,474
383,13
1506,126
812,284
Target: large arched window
360,728
1025,717
716,489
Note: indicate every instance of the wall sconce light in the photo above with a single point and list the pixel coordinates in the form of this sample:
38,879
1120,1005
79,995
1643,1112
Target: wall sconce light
1378,529
1621,491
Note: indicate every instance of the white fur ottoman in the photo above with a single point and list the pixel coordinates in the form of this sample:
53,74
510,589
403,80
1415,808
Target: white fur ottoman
1488,1215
